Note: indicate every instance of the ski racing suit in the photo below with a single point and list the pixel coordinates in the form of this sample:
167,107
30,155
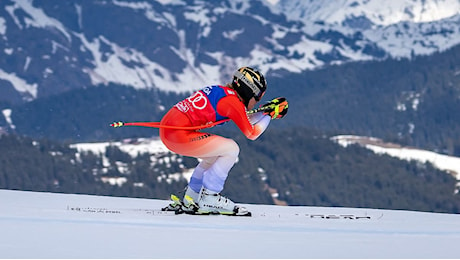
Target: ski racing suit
218,154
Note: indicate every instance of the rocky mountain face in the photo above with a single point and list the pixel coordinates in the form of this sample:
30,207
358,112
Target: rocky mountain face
50,47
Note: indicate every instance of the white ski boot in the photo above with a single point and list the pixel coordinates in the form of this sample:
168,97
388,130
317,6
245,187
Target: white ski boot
213,203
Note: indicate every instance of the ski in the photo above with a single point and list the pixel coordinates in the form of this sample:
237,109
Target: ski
191,208
178,207
363,216
120,211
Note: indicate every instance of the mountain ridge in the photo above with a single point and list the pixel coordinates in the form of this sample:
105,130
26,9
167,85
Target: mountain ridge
392,12
168,44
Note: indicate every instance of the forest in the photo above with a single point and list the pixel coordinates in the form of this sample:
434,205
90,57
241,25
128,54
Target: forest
303,166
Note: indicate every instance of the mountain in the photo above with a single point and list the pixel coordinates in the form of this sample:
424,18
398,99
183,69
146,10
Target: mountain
46,225
53,47
398,28
376,13
352,67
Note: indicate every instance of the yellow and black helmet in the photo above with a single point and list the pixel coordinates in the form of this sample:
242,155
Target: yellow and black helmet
249,83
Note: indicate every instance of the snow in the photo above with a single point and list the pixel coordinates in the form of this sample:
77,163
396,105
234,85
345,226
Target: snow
132,147
408,38
402,28
379,12
36,17
2,26
7,114
273,2
20,84
46,225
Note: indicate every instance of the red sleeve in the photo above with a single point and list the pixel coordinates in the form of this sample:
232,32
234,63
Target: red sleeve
233,108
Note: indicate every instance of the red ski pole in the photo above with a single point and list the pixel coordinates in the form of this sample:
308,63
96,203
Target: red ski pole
158,125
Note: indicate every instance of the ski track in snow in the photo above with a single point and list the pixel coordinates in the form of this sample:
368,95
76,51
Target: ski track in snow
47,225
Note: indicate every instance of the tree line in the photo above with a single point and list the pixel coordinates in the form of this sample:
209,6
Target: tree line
303,165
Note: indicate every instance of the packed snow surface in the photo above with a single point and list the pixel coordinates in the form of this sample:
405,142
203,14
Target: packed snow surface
46,225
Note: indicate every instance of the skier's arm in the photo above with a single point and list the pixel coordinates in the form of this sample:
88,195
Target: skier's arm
231,107
260,122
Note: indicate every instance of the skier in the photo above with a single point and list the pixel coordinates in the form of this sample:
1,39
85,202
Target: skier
217,154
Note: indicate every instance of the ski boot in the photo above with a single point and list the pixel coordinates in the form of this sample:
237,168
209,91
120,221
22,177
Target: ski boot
214,203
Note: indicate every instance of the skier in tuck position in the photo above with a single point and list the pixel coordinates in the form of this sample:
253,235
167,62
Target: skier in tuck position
217,154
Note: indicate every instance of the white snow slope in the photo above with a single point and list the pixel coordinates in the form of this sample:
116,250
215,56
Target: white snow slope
46,225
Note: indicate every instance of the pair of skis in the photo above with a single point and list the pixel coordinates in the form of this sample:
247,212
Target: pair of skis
191,208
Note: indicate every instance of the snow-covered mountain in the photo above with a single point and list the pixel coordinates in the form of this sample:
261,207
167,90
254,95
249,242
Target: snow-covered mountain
178,45
46,225
376,13
401,28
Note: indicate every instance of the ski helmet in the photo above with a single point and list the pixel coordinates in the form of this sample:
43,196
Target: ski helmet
249,83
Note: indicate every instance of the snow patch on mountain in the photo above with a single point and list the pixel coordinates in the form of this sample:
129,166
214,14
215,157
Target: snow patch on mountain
2,26
133,147
401,28
36,17
409,38
28,90
383,13
7,114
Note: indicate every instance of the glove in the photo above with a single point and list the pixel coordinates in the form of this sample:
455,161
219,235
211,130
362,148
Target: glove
276,108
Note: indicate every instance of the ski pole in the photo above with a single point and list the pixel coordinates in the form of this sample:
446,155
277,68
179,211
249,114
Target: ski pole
255,110
158,125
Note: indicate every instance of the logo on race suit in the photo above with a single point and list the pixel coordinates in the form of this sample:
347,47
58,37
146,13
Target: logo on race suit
207,90
182,106
198,100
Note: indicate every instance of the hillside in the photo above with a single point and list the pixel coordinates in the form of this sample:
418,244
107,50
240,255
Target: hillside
284,167
356,67
46,225
411,102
